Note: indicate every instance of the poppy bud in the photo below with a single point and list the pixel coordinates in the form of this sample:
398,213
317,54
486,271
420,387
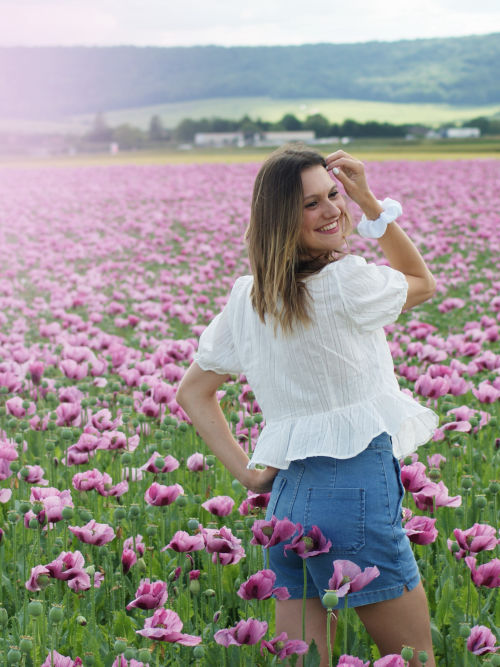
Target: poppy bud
35,608
14,656
56,615
407,653
26,644
120,645
198,652
330,599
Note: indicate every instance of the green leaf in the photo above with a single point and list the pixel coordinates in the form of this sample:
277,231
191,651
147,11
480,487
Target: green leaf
312,657
123,626
443,609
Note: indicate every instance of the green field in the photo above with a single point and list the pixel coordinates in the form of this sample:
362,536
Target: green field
273,109
364,149
265,108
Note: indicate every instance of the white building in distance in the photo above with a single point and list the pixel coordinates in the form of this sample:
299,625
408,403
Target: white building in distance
463,133
219,139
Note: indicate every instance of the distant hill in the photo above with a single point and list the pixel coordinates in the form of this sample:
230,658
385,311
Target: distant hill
45,82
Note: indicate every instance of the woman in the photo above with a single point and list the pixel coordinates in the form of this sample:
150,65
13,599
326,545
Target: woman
306,331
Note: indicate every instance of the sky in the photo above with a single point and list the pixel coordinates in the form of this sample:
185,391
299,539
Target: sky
238,22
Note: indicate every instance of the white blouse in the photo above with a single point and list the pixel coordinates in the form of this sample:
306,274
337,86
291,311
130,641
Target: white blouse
328,388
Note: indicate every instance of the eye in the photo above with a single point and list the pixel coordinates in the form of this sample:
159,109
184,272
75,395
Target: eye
333,194
311,204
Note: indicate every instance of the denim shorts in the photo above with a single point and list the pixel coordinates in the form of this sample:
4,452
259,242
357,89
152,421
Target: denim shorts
357,504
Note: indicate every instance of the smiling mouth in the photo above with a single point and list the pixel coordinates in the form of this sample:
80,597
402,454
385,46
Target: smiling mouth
330,228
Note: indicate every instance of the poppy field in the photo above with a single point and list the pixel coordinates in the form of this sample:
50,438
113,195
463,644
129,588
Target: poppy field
122,540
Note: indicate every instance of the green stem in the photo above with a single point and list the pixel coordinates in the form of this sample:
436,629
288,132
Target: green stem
346,617
328,638
304,600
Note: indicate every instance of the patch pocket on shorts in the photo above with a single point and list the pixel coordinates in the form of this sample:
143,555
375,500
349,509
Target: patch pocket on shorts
340,515
278,486
398,515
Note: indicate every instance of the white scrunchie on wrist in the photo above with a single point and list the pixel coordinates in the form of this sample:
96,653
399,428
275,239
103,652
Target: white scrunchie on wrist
374,229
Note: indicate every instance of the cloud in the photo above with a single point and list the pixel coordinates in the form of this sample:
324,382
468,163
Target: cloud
233,22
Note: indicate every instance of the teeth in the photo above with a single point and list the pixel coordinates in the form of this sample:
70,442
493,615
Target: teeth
327,228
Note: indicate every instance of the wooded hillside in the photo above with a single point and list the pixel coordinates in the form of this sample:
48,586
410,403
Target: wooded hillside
48,81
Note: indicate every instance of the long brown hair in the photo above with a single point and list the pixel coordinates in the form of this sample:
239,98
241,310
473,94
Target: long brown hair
279,263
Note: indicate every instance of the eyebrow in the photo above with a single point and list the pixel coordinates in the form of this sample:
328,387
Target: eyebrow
332,189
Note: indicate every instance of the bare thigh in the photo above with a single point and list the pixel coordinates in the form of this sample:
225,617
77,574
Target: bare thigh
289,620
399,622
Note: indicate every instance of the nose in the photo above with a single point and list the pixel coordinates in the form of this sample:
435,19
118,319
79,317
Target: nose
332,209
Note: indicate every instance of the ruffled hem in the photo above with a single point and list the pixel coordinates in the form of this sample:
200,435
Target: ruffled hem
343,434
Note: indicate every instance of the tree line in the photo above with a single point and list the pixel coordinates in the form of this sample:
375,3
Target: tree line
128,136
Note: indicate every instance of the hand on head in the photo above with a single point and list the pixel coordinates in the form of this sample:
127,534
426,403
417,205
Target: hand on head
351,173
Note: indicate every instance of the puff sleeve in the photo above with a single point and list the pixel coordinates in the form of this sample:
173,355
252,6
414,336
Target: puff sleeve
373,296
216,350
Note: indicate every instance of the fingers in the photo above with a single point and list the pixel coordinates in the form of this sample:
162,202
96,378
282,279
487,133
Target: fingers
336,155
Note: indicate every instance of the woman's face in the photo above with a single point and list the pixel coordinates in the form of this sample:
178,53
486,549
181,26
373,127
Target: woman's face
324,215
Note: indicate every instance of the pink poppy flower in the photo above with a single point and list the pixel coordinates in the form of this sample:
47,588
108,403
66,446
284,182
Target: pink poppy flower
53,502
248,631
392,660
183,542
35,369
103,420
165,626
160,495
55,659
149,595
68,414
351,661
269,533
481,537
88,480
34,476
481,640
121,662
435,460
312,544
38,577
435,495
8,451
260,586
223,545
348,577
5,495
94,533
284,647
219,505
432,387
485,575
129,558
140,547
163,393
15,407
195,462
73,370
413,476
421,530
68,566
169,463
150,408
486,392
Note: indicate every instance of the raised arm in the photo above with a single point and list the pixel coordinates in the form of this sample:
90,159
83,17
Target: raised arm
197,397
398,248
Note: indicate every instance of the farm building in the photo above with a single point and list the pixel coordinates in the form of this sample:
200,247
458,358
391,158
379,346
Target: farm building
219,139
279,138
462,133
